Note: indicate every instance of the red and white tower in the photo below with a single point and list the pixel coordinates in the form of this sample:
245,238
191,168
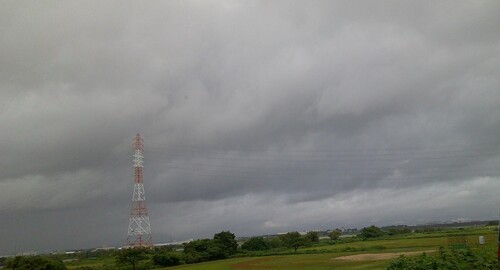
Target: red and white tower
139,227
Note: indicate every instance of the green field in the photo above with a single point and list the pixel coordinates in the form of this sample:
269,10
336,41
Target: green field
300,261
96,263
325,255
372,254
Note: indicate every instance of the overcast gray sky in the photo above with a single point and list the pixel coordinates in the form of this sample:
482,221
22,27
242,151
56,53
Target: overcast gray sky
257,116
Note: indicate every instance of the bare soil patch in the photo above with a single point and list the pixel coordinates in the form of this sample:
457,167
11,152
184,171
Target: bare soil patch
379,256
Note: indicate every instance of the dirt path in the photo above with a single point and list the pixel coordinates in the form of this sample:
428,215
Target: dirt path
379,256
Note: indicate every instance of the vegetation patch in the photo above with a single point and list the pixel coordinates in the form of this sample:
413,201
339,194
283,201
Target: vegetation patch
453,258
379,256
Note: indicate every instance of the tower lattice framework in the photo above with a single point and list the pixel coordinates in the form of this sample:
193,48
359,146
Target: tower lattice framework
139,227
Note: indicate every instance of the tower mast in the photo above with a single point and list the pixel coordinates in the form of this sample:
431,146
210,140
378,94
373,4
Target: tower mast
139,227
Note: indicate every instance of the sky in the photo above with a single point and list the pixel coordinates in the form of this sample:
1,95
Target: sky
258,117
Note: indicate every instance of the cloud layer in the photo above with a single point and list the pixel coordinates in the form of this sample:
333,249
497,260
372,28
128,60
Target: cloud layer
258,117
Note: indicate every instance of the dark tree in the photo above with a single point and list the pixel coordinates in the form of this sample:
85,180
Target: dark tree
294,240
226,241
398,230
276,242
255,244
312,236
131,256
371,232
35,263
3,261
166,258
203,250
335,234
197,250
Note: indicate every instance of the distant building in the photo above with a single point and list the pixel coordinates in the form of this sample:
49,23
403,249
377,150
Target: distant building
27,253
104,248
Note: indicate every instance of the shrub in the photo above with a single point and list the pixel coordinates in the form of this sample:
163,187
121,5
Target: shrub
371,232
460,259
35,263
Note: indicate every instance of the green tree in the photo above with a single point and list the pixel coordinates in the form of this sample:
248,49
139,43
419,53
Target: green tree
256,243
335,234
131,256
196,250
35,263
3,261
398,230
294,240
276,242
160,249
203,250
492,223
167,258
227,242
371,232
312,236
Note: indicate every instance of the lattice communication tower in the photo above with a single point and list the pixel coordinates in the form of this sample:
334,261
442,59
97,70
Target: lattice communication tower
139,227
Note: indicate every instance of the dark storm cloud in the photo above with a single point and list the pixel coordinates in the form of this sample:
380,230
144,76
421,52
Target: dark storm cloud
329,111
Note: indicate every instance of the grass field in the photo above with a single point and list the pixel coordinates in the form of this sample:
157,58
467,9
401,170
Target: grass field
373,254
96,263
301,261
324,257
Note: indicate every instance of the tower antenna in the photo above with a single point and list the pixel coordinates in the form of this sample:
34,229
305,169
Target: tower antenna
139,227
